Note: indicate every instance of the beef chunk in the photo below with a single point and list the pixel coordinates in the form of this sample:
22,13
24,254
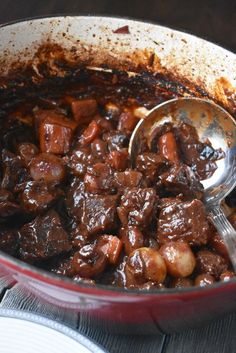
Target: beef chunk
137,206
211,263
217,244
27,151
54,138
99,148
47,167
180,179
9,240
55,131
79,160
119,159
151,164
14,170
37,196
127,122
43,238
132,238
99,213
183,221
168,147
103,123
5,195
90,133
99,179
199,156
110,246
62,266
8,209
128,179
116,140
75,196
83,109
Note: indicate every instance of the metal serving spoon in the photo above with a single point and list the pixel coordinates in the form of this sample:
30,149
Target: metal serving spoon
215,124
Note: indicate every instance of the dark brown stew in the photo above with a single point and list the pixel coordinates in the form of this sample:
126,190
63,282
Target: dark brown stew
71,204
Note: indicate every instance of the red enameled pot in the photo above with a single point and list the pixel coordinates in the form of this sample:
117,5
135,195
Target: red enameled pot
95,41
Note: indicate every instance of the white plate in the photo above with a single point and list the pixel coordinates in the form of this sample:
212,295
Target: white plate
24,332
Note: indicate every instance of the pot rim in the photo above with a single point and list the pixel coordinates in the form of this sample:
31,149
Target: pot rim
61,16
50,278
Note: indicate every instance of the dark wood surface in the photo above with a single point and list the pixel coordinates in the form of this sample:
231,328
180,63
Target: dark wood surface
214,20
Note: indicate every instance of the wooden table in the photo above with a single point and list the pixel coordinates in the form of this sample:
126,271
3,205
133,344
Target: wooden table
214,20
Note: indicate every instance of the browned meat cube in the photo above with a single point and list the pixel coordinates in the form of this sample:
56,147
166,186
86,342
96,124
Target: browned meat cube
211,263
37,196
128,179
43,238
132,238
110,246
99,149
180,179
99,213
53,116
103,123
9,240
119,159
47,167
137,206
116,140
8,209
27,151
99,179
5,195
55,131
183,221
218,245
168,147
151,164
90,133
127,122
200,156
61,267
79,160
74,199
83,109
54,138
14,170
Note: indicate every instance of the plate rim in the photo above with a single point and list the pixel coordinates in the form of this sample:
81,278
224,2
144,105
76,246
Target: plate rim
62,328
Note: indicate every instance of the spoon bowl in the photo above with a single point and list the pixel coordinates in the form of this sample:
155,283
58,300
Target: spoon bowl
212,123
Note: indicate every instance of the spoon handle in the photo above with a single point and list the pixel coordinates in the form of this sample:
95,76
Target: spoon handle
225,230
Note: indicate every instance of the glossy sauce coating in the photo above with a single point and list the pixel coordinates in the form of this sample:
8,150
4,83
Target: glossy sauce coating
71,204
